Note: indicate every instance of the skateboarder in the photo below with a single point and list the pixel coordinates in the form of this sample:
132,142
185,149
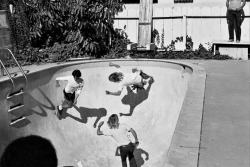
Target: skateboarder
71,91
121,133
137,79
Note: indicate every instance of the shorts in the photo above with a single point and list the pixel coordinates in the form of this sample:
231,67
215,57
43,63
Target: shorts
69,99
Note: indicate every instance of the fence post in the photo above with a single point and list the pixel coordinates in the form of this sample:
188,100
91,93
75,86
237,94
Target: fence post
184,24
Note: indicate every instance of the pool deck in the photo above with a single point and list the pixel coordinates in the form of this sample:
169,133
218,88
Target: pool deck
225,135
225,132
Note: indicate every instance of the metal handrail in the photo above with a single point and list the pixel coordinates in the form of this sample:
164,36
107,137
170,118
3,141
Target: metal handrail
20,68
8,74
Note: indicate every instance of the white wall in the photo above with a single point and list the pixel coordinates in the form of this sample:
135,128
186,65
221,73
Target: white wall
201,30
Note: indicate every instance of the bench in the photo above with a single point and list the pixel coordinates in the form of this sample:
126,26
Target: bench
232,49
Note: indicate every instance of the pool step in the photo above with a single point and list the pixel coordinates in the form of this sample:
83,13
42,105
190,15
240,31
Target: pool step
17,120
15,107
14,94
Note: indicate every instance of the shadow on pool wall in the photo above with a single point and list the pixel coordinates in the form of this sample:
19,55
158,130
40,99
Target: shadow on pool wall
41,98
37,99
134,99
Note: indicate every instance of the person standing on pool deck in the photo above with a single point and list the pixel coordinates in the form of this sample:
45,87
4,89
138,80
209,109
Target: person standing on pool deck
234,17
136,79
242,14
121,134
71,91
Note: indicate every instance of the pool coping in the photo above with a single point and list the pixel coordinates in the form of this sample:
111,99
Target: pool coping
40,67
185,143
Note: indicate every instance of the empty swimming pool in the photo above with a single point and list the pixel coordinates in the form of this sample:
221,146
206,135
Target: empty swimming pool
153,112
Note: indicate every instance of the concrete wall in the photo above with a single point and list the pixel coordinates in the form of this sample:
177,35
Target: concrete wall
202,30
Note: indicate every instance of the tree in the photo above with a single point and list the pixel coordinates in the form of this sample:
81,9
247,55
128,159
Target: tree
85,24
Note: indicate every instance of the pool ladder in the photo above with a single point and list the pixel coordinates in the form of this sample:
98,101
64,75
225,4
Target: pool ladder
15,97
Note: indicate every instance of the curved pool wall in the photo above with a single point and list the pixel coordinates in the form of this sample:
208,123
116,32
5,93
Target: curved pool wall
154,112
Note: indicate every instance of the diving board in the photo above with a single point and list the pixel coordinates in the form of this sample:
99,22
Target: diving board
233,49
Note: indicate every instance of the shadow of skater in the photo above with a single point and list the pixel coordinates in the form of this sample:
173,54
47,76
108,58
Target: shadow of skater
87,112
38,103
133,99
32,103
138,155
140,160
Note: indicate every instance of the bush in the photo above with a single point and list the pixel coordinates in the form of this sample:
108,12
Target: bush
119,42
200,53
117,49
61,52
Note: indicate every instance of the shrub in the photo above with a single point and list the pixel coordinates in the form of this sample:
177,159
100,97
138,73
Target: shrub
119,42
189,43
200,53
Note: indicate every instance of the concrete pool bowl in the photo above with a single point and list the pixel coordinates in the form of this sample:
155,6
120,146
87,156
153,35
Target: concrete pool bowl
166,115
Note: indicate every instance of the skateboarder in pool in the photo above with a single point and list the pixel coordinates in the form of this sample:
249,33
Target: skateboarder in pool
125,137
136,79
71,91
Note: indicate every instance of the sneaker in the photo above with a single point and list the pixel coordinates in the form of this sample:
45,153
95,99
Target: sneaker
230,40
59,112
237,41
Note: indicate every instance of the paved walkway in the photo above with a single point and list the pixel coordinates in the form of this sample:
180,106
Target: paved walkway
225,138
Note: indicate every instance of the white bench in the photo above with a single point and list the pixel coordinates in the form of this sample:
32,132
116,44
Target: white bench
232,49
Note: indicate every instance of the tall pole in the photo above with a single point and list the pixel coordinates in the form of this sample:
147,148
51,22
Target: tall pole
145,22
184,26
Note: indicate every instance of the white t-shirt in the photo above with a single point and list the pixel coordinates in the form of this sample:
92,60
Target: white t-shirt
121,135
234,4
72,86
130,79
